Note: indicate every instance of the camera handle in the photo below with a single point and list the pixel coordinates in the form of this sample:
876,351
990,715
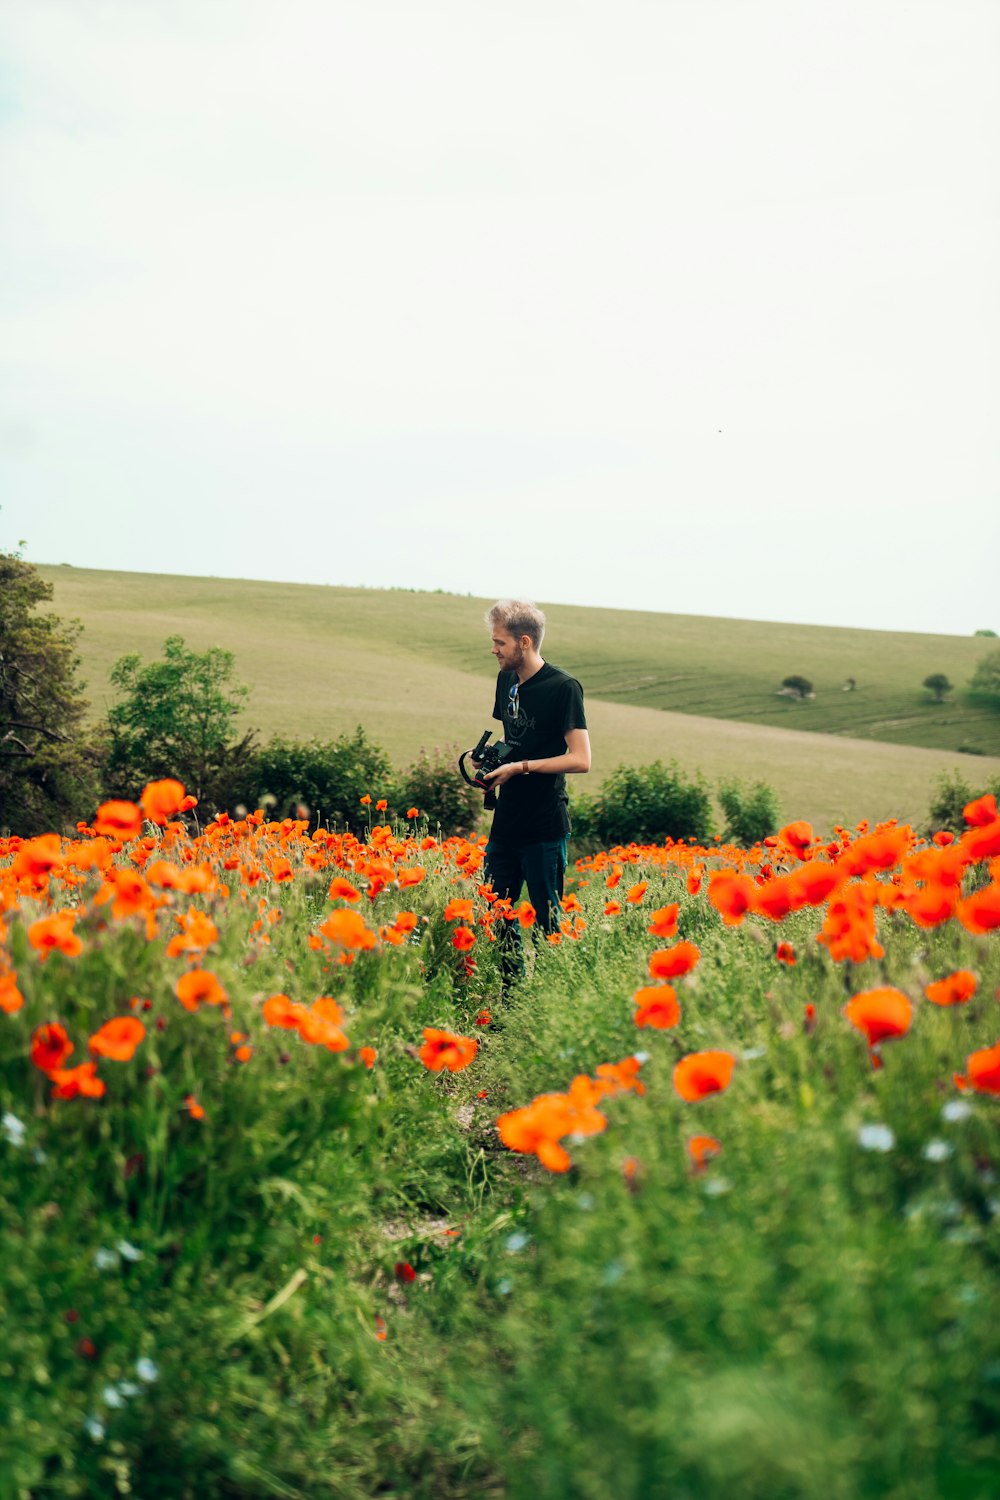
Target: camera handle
489,795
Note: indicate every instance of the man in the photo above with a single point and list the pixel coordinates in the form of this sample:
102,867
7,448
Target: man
541,710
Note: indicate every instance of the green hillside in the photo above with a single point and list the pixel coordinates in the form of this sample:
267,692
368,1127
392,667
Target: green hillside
415,670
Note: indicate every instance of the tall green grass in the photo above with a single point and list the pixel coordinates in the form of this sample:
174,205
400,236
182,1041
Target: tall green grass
340,1284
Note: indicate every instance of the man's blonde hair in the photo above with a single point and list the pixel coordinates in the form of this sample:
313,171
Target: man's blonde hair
518,617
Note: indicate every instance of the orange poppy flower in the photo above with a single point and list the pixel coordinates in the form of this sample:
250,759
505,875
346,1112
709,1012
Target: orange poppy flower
278,1010
463,939
813,882
381,805
405,921
981,811
796,836
458,910
38,857
368,1056
82,1079
635,893
199,987
657,1006
663,922
118,1038
785,954
981,842
612,908
525,914
775,899
731,894
55,933
11,998
953,989
413,812
118,820
161,800
979,912
982,1071
365,800
670,963
320,1025
194,1109
701,1149
50,1046
572,903
621,1077
443,1049
347,929
880,1014
944,837
703,1073
410,875
343,890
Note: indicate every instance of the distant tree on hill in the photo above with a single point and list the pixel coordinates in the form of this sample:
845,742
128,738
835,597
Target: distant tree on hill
177,717
938,684
48,764
797,687
985,681
991,633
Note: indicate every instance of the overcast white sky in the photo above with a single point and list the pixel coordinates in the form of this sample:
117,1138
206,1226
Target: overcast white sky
688,305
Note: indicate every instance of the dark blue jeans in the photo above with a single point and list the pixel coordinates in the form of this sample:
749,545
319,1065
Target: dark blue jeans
508,867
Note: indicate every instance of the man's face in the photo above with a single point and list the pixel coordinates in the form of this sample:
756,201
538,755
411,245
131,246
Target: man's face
507,649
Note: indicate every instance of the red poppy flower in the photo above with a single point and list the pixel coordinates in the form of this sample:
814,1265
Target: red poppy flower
443,1049
953,989
880,1015
703,1073
50,1046
670,963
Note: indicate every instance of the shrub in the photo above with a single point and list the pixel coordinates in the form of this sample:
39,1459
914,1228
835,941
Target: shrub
938,684
645,804
434,785
798,687
751,811
952,794
326,777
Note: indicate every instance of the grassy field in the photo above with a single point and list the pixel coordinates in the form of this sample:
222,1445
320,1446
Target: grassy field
415,670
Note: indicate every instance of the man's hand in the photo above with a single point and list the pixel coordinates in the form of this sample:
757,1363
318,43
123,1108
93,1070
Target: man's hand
503,773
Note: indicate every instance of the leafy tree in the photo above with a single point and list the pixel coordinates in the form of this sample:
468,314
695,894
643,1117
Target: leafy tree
938,684
645,804
177,718
326,777
799,687
985,680
751,811
991,633
48,764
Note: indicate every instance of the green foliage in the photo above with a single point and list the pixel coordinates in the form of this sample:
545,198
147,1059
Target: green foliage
48,764
951,794
751,811
985,681
178,718
325,777
938,684
644,804
991,633
799,687
434,784
188,1308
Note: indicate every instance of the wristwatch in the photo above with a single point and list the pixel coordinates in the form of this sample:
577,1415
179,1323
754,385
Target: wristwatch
524,768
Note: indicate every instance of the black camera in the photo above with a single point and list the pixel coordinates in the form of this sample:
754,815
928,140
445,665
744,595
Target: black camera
487,758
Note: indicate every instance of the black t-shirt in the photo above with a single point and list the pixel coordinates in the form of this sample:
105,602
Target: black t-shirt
533,808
